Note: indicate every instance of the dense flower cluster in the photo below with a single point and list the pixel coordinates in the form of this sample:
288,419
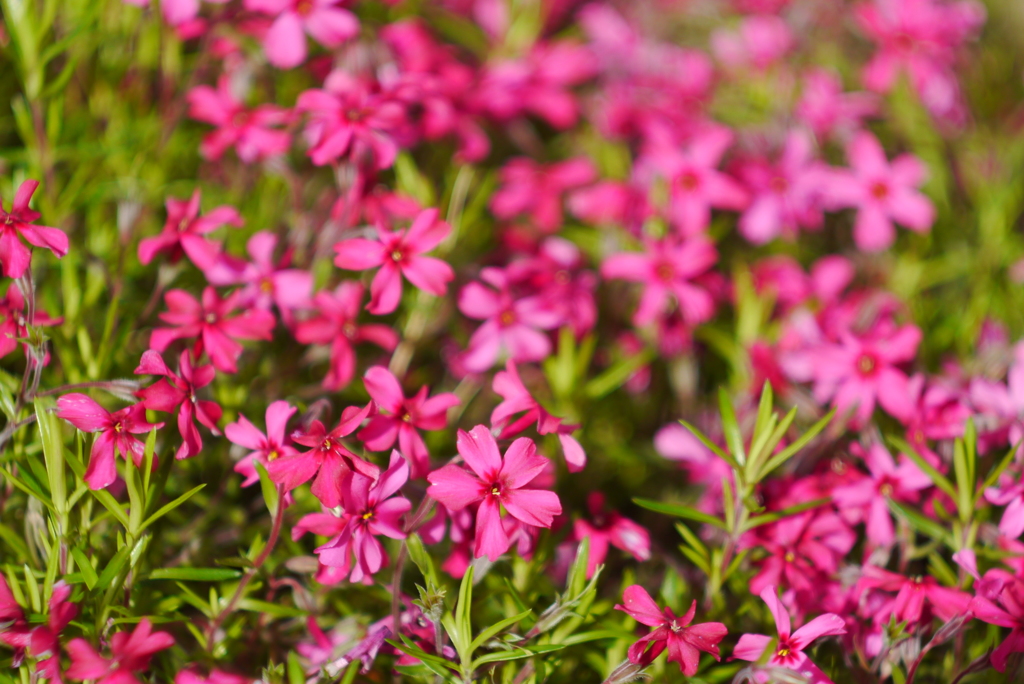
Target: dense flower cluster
479,265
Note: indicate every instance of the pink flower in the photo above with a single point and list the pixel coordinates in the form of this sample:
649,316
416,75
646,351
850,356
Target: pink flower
285,42
14,256
210,321
14,323
826,108
512,325
336,325
881,192
518,399
348,119
250,132
495,482
759,42
399,253
858,371
116,430
403,417
178,393
44,641
184,230
129,654
683,640
667,270
1011,495
265,447
328,459
803,550
536,190
191,676
1010,614
912,595
696,184
371,510
786,195
266,282
871,495
605,529
789,651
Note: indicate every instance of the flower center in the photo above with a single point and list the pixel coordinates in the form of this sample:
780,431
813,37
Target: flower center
783,652
790,556
689,181
349,330
211,318
562,278
779,184
304,7
665,271
886,489
879,190
267,285
507,318
273,455
367,515
866,364
397,256
118,427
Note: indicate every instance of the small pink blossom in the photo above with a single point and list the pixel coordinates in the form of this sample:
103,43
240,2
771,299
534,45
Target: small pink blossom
15,258
267,282
536,190
683,640
1006,609
826,108
178,393
266,448
789,649
403,418
882,192
511,325
913,594
13,319
212,323
184,232
250,131
371,510
116,430
398,254
285,42
496,482
130,654
336,325
759,42
328,459
604,529
667,269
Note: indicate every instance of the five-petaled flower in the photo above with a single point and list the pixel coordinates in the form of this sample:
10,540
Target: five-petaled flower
14,256
130,653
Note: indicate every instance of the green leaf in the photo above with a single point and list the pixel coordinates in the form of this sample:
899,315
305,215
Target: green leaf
494,629
618,374
164,510
111,570
296,673
194,574
53,455
271,494
759,520
993,476
110,503
731,427
436,663
463,610
85,567
920,522
419,556
680,511
936,477
274,609
717,450
796,446
577,577
517,654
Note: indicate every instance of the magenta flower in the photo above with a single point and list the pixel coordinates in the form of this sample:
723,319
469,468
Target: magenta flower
13,319
517,399
328,459
371,510
116,430
44,642
336,325
398,254
210,321
696,184
856,372
510,325
15,258
667,270
826,108
178,393
266,282
881,192
870,496
802,550
789,651
533,189
786,194
1012,496
683,640
495,482
265,447
403,417
605,529
347,119
184,230
250,132
1006,610
912,596
285,42
129,654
